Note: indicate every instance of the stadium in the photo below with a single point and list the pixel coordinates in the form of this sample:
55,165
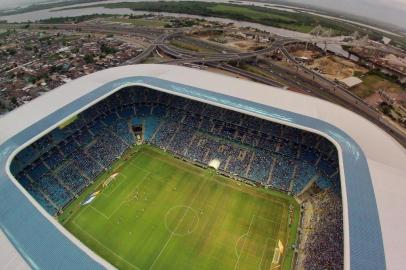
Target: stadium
166,167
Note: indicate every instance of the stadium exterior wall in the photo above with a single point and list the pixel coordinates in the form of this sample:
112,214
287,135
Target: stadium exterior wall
364,241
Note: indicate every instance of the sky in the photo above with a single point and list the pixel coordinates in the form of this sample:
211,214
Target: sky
17,3
392,11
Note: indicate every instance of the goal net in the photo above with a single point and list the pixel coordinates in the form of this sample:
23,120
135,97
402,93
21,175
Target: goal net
110,179
278,252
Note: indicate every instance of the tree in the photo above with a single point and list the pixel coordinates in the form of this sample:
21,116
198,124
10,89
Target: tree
106,49
386,108
88,58
11,51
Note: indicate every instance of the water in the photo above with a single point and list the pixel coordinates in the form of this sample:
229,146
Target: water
49,13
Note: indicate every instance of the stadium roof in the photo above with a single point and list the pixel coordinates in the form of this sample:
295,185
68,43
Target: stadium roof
372,163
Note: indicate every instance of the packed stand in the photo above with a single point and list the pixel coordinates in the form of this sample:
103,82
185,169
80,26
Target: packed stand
323,247
248,147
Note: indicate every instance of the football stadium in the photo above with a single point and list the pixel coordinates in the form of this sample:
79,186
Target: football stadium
167,167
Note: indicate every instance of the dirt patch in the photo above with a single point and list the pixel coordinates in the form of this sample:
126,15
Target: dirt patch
334,67
396,61
243,45
373,83
374,99
306,53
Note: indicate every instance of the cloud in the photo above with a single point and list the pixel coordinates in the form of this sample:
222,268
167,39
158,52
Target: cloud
17,3
391,11
392,3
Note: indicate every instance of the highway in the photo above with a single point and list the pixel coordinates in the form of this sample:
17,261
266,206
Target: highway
342,93
184,56
147,52
311,80
301,77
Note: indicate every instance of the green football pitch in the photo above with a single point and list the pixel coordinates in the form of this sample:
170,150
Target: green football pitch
160,212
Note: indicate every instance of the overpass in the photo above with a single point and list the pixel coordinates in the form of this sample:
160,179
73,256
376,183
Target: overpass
337,92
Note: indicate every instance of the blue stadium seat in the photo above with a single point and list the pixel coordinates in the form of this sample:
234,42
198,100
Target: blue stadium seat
65,161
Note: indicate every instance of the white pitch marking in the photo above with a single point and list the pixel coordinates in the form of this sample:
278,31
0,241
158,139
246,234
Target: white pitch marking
99,212
123,202
101,244
263,253
242,248
119,184
172,234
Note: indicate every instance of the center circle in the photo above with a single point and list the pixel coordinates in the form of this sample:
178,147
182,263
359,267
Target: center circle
181,220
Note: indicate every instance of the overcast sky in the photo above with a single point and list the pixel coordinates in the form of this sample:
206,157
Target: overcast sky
14,3
393,11
17,3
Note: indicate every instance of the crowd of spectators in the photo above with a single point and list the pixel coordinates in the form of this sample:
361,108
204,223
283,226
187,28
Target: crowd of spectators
61,164
324,244
251,148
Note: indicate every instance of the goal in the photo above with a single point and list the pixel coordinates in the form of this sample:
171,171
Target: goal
110,179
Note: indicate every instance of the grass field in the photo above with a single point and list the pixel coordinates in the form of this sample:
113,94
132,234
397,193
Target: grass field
299,21
249,12
140,22
164,213
373,83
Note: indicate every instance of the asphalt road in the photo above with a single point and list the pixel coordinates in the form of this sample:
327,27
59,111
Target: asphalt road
301,77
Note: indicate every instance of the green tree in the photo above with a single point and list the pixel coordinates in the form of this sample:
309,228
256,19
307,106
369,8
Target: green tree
88,58
104,48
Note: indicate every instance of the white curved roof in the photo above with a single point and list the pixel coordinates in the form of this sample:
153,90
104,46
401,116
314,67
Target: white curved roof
386,159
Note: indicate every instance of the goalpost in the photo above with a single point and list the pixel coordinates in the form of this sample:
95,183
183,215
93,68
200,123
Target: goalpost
278,252
109,180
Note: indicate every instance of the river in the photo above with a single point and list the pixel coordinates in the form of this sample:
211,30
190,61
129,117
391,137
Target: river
54,12
48,13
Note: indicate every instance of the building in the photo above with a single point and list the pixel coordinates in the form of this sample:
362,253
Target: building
350,81
371,163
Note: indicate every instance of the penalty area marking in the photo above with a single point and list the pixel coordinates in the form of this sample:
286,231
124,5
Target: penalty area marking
120,177
263,253
245,235
243,244
103,246
122,202
99,212
110,179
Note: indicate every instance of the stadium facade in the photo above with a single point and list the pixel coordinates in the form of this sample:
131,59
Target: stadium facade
371,163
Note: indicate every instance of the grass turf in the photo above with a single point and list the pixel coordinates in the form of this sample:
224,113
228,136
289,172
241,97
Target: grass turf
164,213
140,22
373,83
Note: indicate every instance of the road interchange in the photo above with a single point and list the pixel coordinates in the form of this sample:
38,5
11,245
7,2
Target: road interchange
299,77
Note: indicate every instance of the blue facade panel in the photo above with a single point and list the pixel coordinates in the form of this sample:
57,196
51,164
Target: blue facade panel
44,247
